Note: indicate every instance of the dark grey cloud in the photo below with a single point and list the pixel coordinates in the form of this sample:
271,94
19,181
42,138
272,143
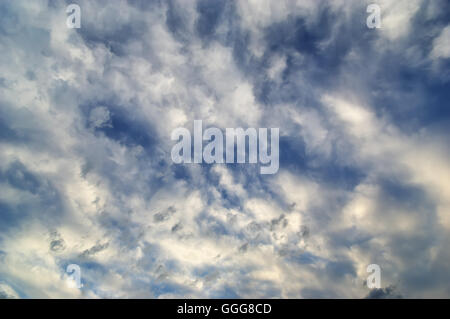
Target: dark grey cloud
384,293
94,250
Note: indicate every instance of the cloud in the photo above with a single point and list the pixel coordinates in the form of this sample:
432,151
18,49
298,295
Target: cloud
384,293
441,45
6,292
85,170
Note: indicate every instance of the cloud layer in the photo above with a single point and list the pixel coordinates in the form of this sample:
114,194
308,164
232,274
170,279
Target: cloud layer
86,175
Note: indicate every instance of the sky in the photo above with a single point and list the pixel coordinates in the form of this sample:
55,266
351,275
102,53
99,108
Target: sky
86,175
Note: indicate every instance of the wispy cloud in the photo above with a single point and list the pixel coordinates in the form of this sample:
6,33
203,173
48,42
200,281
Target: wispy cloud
86,175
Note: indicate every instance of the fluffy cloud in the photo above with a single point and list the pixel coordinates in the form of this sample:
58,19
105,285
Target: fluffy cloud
85,170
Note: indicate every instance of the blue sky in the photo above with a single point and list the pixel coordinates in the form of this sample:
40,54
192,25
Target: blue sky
86,175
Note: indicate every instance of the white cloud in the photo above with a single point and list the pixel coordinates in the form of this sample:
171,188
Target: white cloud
441,45
111,198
